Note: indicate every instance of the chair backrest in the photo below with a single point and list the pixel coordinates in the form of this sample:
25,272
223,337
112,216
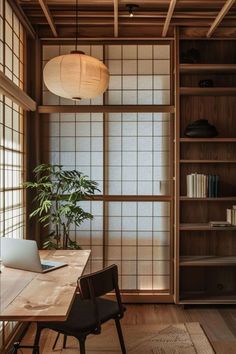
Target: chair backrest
95,285
102,282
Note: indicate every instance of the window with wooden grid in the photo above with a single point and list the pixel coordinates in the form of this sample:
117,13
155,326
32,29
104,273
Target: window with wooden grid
12,138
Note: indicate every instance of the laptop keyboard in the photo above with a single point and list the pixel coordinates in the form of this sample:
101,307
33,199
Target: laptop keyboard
46,266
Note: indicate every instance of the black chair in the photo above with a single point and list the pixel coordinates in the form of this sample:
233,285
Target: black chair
90,310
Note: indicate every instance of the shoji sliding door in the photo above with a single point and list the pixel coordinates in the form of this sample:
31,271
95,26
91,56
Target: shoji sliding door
129,155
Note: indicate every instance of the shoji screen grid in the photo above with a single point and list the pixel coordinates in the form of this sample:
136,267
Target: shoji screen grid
139,74
12,139
12,205
129,155
76,142
138,241
12,45
138,153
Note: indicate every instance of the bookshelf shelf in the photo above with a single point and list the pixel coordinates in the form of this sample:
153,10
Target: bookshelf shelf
208,91
207,261
207,68
204,227
208,161
207,140
218,199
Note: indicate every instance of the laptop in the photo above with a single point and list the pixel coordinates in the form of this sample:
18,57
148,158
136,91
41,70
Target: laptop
24,254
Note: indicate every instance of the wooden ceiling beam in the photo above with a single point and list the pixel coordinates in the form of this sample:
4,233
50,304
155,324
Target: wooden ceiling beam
61,23
227,6
123,14
168,17
48,16
116,15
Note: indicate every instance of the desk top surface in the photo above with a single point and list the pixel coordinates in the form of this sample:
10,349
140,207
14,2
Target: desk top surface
28,296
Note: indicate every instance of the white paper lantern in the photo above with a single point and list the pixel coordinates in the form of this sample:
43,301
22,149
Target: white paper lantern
76,76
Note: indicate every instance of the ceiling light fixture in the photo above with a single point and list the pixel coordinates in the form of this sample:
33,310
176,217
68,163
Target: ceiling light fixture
131,8
76,75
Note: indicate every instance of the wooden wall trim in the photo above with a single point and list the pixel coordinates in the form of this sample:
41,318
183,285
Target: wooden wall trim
152,298
106,109
176,169
104,40
17,95
130,198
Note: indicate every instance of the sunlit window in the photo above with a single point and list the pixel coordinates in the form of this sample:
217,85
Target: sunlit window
12,148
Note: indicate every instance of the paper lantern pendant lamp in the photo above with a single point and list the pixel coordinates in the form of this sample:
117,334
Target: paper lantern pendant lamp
76,76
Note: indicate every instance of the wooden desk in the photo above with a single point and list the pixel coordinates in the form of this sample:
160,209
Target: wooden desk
27,296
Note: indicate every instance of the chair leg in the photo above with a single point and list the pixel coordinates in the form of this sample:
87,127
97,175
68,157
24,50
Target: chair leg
56,340
36,340
82,345
64,341
120,335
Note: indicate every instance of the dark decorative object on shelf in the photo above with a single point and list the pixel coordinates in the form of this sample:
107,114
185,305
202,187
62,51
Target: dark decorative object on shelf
205,83
191,56
200,129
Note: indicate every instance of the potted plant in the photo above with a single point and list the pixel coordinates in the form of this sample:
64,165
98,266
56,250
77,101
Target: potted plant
58,193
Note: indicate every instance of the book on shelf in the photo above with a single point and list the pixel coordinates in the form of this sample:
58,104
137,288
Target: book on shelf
202,186
231,215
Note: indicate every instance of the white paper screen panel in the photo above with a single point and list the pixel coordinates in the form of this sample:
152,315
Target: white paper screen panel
139,74
138,240
76,142
139,153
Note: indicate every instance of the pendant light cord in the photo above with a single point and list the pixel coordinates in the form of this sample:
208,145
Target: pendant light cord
77,25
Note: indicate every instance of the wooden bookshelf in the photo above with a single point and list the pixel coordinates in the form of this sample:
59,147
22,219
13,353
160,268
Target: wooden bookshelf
205,256
208,91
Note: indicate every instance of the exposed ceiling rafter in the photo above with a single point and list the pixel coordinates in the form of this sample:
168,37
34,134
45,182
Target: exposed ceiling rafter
48,16
168,17
227,6
116,15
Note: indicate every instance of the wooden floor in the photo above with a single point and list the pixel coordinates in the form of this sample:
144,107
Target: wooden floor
219,323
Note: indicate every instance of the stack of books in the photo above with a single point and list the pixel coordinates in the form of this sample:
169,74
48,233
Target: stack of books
202,186
231,215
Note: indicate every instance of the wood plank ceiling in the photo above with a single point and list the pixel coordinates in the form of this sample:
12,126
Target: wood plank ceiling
110,18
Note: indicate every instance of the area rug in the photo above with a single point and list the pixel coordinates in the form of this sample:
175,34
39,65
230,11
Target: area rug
183,338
